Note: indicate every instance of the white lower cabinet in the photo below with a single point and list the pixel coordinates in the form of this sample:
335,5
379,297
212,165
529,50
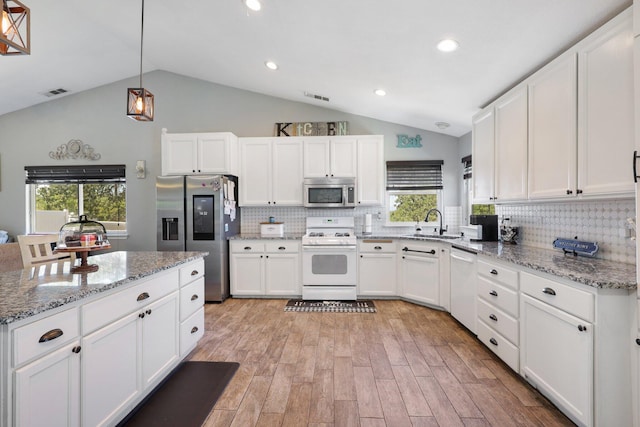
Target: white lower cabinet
420,272
557,357
47,391
267,267
377,268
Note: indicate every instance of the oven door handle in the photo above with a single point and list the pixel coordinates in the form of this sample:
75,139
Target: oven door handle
318,248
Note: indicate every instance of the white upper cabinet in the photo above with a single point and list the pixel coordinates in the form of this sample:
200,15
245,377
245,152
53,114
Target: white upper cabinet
606,110
370,178
199,153
334,157
271,171
511,146
552,129
483,156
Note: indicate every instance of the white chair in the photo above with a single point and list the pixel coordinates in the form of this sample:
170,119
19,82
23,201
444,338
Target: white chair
37,249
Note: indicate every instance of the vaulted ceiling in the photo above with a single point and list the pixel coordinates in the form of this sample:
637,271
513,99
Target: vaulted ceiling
339,49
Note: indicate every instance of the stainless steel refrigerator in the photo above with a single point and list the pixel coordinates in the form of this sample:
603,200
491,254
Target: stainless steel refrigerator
200,213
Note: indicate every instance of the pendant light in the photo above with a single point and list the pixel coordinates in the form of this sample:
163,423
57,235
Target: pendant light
15,28
140,100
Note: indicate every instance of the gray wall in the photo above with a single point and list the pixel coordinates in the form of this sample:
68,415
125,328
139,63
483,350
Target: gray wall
97,117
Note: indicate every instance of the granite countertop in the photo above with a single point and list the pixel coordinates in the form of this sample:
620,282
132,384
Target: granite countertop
258,236
25,293
594,272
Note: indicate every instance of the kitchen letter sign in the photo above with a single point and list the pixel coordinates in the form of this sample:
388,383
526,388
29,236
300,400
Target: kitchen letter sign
311,129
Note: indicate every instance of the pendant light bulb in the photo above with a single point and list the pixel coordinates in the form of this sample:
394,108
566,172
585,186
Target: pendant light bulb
6,24
139,105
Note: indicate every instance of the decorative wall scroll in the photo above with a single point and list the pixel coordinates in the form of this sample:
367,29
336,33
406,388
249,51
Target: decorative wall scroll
311,129
74,149
405,141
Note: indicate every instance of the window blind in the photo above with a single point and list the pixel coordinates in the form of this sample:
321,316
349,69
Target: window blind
75,174
414,175
466,162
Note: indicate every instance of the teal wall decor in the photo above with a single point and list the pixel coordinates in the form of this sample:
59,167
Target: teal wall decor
404,141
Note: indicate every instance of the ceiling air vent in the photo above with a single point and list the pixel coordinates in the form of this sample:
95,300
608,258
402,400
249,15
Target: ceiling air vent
54,92
318,97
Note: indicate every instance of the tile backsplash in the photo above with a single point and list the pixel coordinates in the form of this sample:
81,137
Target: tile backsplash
604,222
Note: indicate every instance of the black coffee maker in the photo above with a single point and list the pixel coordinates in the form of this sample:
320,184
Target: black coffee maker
489,225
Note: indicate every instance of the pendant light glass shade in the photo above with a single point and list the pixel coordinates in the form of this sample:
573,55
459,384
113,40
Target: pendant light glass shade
15,28
140,100
140,104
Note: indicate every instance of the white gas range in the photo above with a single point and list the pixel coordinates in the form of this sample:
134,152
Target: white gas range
329,259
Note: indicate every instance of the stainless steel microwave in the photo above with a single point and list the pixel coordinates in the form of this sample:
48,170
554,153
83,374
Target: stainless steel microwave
330,192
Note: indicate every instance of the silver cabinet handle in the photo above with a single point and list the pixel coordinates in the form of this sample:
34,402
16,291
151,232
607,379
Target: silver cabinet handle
51,335
549,291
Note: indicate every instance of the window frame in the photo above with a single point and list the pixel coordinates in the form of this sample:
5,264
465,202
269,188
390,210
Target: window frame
389,223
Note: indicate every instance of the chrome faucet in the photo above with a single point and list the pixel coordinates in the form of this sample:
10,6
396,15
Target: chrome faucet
426,219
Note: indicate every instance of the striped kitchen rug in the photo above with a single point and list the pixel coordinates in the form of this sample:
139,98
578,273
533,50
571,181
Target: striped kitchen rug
360,306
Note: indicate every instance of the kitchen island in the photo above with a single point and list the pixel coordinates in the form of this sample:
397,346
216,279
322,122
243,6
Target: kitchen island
84,349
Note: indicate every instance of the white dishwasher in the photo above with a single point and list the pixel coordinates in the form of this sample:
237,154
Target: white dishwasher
464,287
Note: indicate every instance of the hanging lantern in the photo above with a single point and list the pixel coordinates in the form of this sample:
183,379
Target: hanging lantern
140,100
15,28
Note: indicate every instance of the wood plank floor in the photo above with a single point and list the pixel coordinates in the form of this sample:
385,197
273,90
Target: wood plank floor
405,365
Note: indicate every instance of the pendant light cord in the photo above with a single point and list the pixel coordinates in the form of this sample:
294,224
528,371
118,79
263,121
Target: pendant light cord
141,41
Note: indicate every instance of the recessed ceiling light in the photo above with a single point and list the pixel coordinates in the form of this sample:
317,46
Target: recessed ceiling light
380,92
442,125
271,65
253,4
448,45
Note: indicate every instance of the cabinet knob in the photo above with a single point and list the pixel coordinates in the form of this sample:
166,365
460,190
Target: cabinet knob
578,191
266,256
569,191
493,341
148,311
76,349
261,256
362,256
549,291
194,297
141,315
493,293
193,170
582,328
494,272
194,273
143,296
51,335
378,248
493,317
274,202
638,341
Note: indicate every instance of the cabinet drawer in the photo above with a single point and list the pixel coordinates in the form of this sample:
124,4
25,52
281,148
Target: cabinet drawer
191,272
42,336
246,246
506,351
191,330
104,311
377,245
282,247
498,273
499,321
500,296
191,298
574,301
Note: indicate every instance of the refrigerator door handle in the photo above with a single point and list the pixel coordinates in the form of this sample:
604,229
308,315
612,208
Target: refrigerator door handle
635,160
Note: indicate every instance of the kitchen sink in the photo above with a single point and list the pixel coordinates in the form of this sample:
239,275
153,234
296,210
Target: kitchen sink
435,236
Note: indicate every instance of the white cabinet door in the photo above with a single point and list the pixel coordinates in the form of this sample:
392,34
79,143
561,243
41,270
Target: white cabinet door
247,271
317,158
370,166
287,172
160,335
552,130
556,355
47,391
255,172
606,110
511,146
377,274
483,156
179,152
110,380
343,157
420,279
214,153
282,274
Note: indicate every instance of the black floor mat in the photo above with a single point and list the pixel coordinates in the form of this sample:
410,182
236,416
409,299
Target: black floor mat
360,306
